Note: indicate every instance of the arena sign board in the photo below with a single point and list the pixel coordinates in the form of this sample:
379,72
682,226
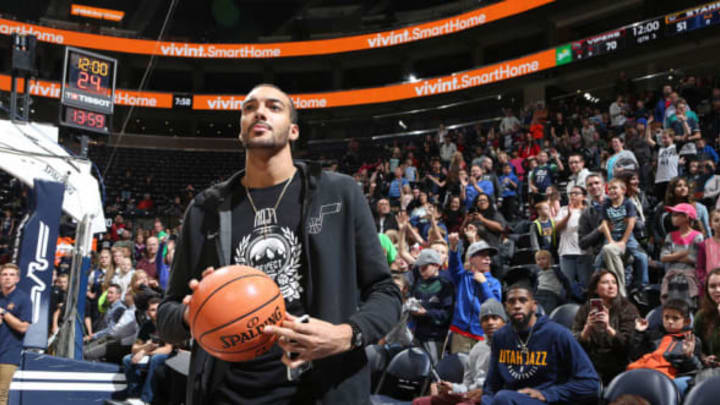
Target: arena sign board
97,12
438,85
399,36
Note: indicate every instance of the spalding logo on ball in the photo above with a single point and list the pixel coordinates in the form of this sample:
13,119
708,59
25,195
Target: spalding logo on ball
229,310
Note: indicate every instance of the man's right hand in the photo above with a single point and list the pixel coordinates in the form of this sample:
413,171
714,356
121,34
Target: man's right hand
444,387
193,284
453,239
474,395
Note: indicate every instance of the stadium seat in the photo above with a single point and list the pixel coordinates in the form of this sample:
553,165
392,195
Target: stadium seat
407,377
565,314
654,386
705,393
377,356
523,241
523,257
451,368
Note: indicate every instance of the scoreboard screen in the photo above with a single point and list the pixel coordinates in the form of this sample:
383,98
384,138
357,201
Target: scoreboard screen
647,31
597,45
89,81
693,18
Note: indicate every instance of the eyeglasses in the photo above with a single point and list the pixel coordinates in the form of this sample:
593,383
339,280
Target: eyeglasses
483,201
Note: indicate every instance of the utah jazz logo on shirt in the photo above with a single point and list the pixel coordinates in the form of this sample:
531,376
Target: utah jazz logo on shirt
523,364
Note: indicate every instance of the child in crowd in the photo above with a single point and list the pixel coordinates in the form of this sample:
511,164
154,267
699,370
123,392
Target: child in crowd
434,296
543,233
619,218
708,252
672,350
679,252
550,289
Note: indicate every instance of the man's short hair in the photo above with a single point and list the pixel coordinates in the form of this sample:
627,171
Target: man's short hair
154,300
115,285
678,304
10,266
595,174
293,110
521,284
578,154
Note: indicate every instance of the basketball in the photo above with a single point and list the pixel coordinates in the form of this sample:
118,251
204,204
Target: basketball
229,310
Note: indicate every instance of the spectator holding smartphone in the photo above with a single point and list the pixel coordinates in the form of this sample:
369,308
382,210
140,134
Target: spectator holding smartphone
604,325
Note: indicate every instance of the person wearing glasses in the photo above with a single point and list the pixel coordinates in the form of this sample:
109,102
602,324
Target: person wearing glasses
579,173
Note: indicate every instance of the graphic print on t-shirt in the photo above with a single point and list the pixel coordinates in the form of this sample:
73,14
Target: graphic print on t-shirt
275,250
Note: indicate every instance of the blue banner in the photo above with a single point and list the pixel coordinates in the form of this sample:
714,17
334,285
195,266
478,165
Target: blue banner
36,256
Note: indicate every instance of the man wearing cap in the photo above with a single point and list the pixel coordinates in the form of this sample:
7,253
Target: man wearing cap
492,318
534,360
472,287
434,309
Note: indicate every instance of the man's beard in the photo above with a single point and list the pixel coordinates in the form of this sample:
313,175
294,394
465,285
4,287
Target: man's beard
275,142
520,324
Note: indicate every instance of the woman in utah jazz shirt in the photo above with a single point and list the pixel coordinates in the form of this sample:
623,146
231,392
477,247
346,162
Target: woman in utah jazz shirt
534,360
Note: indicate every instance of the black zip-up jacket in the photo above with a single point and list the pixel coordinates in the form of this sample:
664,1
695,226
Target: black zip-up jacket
347,279
589,237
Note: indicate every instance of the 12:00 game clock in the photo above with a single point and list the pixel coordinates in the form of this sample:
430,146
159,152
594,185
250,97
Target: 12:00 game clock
88,90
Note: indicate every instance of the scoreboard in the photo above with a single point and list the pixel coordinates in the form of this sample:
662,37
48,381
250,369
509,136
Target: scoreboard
88,90
619,39
647,31
597,45
693,18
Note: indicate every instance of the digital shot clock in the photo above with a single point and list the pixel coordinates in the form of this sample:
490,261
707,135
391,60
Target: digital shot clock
88,90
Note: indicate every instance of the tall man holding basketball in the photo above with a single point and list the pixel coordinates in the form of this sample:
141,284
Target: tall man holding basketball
313,233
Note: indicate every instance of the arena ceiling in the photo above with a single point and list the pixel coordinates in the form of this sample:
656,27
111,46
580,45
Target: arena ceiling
238,20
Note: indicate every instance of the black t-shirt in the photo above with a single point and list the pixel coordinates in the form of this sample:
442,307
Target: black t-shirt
147,331
270,241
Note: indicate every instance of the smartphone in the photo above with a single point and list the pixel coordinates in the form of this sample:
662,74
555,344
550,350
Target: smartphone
293,374
596,304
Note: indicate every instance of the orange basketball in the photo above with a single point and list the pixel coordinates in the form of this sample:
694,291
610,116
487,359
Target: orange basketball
229,310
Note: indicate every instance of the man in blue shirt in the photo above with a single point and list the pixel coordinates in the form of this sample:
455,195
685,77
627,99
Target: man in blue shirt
15,318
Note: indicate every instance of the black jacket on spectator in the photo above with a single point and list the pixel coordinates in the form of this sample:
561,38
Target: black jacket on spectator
348,279
389,223
610,355
589,235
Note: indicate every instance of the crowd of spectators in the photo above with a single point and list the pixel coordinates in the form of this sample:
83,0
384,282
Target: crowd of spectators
613,208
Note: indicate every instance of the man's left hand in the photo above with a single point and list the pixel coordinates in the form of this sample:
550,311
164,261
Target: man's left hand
474,395
533,393
313,340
